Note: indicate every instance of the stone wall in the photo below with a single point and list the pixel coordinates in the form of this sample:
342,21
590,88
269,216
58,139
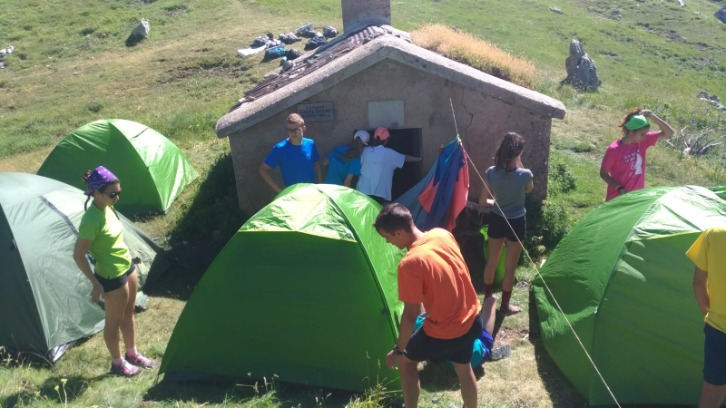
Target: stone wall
482,122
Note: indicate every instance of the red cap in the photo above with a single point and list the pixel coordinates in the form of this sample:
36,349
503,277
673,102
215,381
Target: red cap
382,134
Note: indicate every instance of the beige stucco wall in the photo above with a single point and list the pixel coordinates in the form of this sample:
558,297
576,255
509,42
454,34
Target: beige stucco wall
482,122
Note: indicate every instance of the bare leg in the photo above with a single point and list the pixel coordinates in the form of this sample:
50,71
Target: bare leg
467,380
115,310
514,250
495,251
712,396
127,324
410,384
489,313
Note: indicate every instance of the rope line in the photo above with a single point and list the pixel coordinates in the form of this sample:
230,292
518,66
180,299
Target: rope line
534,265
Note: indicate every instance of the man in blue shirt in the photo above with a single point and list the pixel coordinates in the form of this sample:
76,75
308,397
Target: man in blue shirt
297,157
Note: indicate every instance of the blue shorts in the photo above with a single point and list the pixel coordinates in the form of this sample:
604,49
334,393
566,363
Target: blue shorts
498,228
422,347
714,356
488,341
110,285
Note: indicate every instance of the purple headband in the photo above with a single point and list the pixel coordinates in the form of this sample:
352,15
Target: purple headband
99,178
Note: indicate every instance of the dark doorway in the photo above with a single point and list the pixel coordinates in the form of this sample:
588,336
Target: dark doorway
405,141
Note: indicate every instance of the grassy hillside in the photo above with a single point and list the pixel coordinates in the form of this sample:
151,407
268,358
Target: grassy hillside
71,66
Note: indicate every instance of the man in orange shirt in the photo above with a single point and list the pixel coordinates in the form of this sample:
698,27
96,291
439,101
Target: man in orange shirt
432,276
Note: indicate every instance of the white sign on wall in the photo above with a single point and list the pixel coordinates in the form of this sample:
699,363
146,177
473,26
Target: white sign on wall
316,112
389,114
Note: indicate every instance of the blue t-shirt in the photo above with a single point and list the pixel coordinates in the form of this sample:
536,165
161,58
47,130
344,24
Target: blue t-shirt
339,167
508,188
297,163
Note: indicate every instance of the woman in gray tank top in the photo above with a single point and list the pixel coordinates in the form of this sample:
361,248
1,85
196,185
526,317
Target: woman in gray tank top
506,184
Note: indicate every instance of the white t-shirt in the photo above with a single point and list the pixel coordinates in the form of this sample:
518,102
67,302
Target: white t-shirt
377,165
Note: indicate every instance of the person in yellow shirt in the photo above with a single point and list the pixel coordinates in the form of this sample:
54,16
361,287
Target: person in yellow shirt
708,253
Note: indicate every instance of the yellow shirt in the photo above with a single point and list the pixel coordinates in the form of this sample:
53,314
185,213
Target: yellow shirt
709,255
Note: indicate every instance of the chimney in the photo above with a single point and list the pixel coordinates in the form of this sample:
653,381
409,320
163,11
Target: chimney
358,14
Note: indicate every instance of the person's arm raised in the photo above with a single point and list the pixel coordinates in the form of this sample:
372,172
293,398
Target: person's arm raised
666,131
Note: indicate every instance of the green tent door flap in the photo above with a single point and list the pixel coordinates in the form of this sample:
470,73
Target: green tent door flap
624,282
45,303
152,170
305,292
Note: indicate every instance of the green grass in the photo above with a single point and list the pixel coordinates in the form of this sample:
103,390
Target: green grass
71,66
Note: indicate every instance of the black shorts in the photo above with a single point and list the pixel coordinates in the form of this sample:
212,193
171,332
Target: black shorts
422,347
714,356
110,285
498,228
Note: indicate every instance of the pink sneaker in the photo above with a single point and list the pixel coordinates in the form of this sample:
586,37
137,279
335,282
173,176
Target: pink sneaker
140,361
124,369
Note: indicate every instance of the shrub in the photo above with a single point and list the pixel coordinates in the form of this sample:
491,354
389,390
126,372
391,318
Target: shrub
475,52
561,179
547,223
94,107
214,213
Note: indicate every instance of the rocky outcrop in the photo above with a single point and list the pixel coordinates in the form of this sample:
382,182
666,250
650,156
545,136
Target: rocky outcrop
581,69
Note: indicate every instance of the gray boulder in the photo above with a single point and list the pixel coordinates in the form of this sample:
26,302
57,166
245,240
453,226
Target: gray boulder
142,29
581,69
721,14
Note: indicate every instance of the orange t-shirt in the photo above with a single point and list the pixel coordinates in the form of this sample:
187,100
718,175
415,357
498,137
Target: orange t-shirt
434,273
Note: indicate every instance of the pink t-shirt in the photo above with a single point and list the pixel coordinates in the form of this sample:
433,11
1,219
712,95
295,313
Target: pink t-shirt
626,164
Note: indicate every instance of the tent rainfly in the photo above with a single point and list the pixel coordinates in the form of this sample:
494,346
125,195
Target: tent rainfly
152,169
623,280
305,291
45,303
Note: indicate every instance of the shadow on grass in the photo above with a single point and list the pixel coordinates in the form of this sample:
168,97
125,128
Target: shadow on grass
134,40
561,391
208,223
226,390
64,389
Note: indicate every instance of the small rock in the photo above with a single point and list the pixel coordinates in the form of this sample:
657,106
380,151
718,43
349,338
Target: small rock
142,29
6,51
721,14
330,32
555,9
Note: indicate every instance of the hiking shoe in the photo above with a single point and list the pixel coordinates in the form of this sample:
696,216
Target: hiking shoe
501,352
124,369
140,361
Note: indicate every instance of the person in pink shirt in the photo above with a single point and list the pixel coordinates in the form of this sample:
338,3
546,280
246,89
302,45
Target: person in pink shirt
623,166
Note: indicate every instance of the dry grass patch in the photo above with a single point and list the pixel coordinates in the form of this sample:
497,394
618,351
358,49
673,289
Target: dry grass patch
478,53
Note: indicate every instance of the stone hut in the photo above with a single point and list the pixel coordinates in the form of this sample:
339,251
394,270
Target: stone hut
373,76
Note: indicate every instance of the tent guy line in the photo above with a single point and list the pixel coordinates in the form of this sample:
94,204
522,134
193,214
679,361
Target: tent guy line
533,264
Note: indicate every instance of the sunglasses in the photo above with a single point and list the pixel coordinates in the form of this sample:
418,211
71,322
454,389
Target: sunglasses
114,194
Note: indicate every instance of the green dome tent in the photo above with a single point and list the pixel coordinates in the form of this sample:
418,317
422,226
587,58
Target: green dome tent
305,292
45,302
152,170
623,280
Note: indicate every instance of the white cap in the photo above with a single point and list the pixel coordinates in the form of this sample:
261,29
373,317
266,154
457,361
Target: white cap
363,135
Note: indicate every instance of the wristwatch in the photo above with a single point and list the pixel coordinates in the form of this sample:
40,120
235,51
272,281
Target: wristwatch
397,351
